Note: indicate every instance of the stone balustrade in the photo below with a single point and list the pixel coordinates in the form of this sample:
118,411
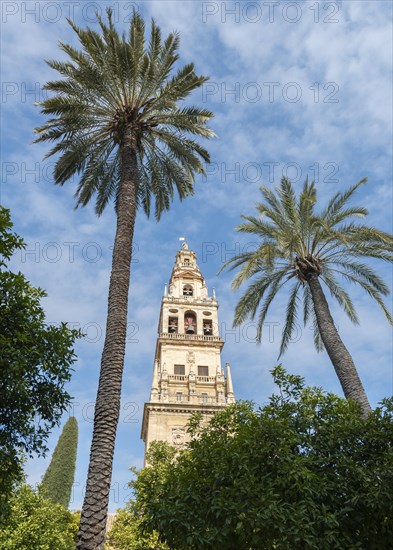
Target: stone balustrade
197,337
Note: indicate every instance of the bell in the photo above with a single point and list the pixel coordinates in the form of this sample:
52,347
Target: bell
190,329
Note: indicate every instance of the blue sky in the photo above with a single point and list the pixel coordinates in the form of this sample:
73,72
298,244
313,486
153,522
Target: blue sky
298,88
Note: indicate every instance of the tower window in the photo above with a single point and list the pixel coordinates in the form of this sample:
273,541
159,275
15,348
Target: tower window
203,371
188,290
204,397
179,396
180,369
186,261
172,324
207,327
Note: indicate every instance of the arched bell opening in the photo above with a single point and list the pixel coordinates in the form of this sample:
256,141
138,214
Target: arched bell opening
190,322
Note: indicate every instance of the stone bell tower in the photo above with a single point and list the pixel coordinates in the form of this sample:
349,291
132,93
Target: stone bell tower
187,375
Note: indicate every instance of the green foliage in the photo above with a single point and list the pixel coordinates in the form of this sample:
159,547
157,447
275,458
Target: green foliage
117,86
9,241
59,476
304,471
295,242
35,364
36,523
126,532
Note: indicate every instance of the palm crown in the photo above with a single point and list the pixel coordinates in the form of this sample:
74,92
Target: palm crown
118,83
295,242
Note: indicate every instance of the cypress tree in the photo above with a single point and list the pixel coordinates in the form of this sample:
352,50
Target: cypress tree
59,477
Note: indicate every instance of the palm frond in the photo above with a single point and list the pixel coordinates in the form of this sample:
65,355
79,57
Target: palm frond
276,282
363,271
291,317
261,260
371,290
289,202
339,200
259,227
340,294
305,213
249,302
236,261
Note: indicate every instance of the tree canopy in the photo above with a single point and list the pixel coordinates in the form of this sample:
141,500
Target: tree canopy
304,471
127,534
35,365
36,523
59,476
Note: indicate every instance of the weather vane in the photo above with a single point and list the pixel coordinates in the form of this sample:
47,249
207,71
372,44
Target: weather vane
183,240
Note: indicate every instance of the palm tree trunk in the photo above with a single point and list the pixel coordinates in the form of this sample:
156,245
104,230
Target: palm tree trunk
95,506
338,353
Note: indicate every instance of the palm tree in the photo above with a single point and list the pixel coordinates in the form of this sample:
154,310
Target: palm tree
116,121
299,245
